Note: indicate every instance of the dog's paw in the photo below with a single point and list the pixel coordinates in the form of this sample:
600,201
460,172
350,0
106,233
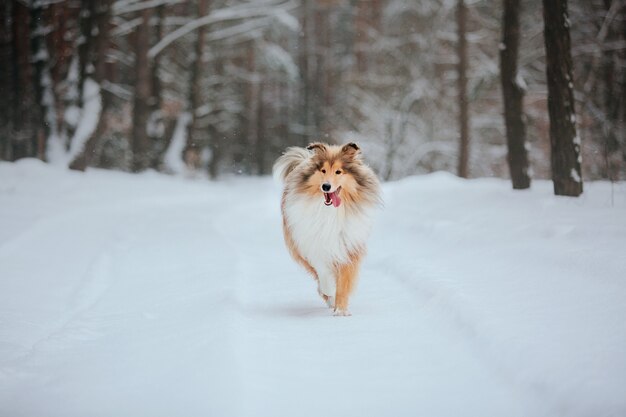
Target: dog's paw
330,301
340,312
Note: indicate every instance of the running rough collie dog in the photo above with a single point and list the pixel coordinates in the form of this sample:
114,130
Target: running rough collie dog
326,205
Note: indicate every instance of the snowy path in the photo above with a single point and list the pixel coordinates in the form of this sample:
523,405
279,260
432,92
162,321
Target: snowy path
153,296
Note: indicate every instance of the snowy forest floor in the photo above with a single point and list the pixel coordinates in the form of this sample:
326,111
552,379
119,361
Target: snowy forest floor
148,295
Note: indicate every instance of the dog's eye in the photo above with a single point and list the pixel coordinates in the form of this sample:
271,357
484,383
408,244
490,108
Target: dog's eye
323,171
337,172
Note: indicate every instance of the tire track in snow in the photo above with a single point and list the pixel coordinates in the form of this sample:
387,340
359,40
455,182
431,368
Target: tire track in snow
99,250
448,302
86,295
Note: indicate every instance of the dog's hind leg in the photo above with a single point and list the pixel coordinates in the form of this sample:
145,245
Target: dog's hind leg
346,280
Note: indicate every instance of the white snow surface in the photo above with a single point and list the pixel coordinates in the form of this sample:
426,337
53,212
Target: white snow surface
148,295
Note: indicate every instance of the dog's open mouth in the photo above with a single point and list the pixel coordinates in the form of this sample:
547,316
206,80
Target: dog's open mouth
333,198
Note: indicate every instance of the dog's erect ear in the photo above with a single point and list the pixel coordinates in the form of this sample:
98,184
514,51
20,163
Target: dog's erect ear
350,149
316,147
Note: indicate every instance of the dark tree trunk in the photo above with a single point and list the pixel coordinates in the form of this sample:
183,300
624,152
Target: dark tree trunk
252,98
7,88
63,17
216,142
25,115
101,21
513,95
361,24
565,143
156,100
192,148
86,54
261,143
157,134
463,169
622,136
318,74
611,102
307,61
141,107
41,81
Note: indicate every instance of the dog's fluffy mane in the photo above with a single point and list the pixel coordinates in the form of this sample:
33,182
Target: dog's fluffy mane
296,166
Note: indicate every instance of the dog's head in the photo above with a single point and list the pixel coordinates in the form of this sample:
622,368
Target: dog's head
331,174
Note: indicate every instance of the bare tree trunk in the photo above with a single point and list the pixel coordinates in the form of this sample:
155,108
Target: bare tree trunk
307,61
463,169
622,135
61,18
285,118
513,96
565,142
320,71
86,53
157,120
216,142
141,107
610,103
192,148
361,23
42,81
6,79
252,97
156,100
24,102
325,67
101,22
261,145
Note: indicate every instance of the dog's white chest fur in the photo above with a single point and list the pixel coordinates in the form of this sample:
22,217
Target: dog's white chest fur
325,235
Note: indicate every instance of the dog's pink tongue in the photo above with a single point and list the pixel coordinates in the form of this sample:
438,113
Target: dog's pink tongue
335,199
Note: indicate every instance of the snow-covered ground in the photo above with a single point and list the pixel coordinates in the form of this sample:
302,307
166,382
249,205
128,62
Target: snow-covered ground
149,295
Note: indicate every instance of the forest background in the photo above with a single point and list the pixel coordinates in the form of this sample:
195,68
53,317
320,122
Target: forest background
224,86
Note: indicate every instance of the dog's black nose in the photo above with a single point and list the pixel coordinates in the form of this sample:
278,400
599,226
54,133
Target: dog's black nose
326,187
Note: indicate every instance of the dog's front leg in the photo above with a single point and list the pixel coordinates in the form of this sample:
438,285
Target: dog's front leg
346,279
327,286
